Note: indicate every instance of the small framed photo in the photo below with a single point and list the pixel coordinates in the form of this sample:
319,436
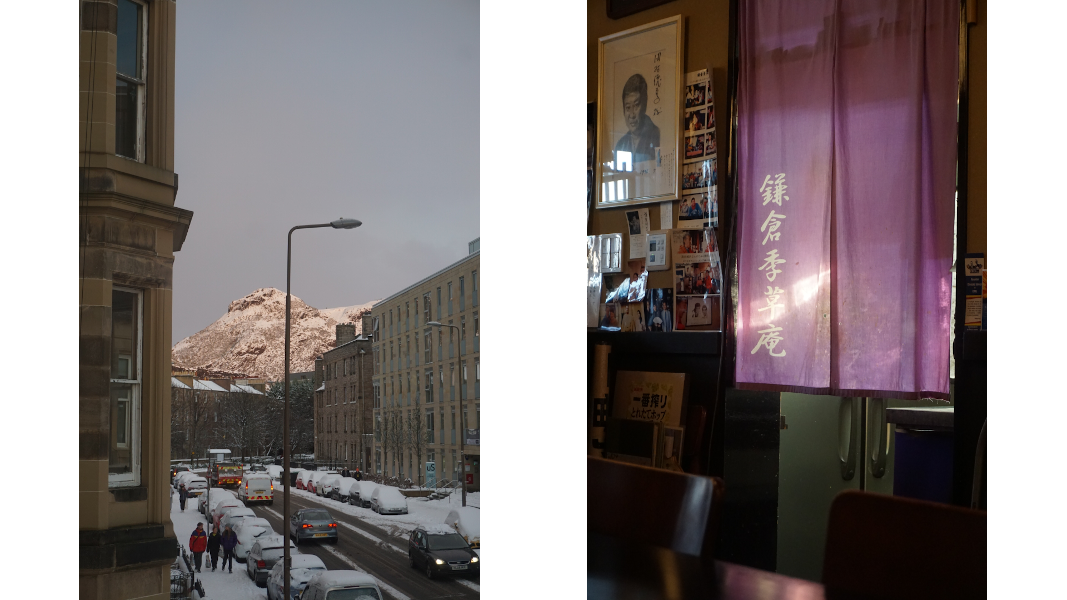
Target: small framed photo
694,94
639,126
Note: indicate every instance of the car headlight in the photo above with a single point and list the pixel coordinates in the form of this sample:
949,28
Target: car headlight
439,561
474,559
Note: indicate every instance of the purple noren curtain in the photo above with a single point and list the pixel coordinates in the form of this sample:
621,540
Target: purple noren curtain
846,179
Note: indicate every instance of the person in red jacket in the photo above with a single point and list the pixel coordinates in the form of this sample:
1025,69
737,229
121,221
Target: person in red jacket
198,544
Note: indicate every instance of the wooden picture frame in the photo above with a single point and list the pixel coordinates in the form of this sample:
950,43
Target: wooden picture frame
618,9
639,106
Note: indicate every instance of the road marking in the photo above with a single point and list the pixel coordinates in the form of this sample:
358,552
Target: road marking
470,584
385,586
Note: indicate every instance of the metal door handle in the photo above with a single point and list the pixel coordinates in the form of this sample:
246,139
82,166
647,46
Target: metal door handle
881,449
852,408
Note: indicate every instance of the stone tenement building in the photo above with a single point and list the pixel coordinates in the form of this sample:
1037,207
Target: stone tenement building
129,230
342,403
427,378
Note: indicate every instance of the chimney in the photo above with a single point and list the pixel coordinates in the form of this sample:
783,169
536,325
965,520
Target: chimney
368,325
346,332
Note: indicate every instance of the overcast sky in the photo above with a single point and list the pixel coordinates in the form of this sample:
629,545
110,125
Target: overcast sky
292,113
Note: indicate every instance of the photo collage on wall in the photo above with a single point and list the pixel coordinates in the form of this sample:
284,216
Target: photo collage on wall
698,207
697,280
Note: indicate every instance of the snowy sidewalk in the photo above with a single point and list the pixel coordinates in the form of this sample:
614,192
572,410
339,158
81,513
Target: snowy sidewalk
218,585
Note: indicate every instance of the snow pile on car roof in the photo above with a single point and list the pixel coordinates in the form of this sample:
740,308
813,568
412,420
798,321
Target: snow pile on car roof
437,529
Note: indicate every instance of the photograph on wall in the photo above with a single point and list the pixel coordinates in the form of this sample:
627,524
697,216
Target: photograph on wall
694,176
679,313
694,121
638,279
609,316
694,146
698,278
694,245
620,293
693,210
709,143
594,280
694,94
638,129
590,155
702,313
660,310
633,317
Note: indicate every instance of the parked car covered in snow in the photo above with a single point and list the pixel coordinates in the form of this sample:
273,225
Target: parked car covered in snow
302,478
234,515
276,472
304,566
217,495
342,584
343,488
465,520
316,477
222,509
388,501
180,478
359,495
248,531
195,485
326,485
267,550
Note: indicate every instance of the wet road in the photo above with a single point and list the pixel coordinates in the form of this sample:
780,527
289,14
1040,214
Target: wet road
371,549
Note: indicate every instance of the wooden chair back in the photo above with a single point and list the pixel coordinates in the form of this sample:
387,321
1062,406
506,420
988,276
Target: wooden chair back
653,506
893,547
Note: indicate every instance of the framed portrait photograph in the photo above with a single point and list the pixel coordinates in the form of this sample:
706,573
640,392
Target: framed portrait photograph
639,125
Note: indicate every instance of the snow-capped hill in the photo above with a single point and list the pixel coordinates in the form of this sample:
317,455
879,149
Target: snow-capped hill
250,337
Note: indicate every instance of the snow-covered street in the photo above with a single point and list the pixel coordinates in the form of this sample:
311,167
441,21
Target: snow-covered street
368,542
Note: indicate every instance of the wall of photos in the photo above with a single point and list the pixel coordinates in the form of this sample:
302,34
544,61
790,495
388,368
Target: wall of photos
706,47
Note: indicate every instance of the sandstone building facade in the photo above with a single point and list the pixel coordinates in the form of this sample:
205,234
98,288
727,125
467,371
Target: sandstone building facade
129,230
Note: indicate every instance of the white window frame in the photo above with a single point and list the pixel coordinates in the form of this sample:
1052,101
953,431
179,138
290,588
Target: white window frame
133,420
611,253
139,144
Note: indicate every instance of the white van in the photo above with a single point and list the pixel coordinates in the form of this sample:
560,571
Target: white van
256,488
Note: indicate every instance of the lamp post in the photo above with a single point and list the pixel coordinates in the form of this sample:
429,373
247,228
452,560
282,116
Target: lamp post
287,558
463,424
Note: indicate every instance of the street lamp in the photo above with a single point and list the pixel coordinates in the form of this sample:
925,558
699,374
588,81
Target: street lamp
287,559
463,424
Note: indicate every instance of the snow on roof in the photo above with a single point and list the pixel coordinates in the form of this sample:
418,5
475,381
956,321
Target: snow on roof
340,577
437,528
306,561
321,387
468,519
247,389
210,386
175,382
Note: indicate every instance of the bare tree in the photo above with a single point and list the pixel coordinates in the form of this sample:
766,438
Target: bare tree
416,437
301,414
396,436
383,433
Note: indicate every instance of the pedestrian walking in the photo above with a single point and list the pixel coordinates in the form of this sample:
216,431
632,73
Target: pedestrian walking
229,542
359,476
183,495
197,544
214,542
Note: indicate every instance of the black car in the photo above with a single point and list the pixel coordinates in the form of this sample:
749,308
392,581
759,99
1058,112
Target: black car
175,470
439,550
